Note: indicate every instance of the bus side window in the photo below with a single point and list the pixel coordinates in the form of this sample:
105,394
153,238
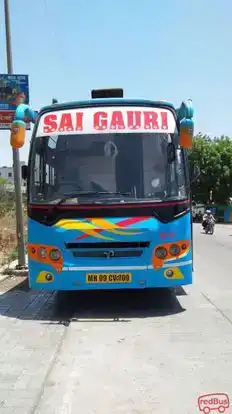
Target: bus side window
50,179
37,180
37,177
50,175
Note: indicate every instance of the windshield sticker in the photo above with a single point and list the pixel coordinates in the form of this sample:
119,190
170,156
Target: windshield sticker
107,120
111,149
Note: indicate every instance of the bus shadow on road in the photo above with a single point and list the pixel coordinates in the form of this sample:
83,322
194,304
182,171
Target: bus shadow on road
17,301
119,305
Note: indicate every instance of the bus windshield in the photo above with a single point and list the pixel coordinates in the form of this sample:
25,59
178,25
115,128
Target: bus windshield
106,167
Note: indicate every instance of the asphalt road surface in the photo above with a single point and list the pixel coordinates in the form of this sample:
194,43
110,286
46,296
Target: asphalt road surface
141,352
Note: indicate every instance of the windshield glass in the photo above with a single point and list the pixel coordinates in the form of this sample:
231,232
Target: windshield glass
106,154
135,165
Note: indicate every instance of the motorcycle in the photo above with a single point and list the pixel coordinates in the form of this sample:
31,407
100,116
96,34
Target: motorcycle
209,226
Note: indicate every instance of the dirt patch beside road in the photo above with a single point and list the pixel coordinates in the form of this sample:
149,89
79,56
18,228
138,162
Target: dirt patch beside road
8,239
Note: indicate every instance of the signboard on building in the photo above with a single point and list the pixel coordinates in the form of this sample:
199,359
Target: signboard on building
14,89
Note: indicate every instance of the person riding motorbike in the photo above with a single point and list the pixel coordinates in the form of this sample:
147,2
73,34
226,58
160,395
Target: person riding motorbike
207,216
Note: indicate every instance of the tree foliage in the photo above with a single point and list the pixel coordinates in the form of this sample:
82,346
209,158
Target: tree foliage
3,180
6,198
213,157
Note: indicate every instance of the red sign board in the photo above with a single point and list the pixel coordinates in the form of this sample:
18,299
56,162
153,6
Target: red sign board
6,119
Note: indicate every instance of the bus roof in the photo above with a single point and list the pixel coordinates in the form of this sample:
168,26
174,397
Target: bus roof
106,101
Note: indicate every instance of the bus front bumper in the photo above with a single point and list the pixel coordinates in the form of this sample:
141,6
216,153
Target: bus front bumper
117,277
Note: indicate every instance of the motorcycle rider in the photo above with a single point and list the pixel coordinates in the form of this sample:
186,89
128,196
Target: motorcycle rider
207,216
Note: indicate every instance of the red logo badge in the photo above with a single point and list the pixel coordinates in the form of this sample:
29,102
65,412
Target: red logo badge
218,402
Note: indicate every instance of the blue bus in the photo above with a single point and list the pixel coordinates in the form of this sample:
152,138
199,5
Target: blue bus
109,203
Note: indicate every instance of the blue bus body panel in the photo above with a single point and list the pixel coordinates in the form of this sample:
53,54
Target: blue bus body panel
136,229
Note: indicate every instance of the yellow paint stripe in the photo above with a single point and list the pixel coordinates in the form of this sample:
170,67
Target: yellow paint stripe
76,223
112,227
78,226
65,221
97,235
104,224
123,233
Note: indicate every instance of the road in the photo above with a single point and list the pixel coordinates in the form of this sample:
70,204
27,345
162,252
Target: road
132,353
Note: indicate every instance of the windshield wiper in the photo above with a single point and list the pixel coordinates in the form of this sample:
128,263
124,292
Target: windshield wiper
116,193
88,194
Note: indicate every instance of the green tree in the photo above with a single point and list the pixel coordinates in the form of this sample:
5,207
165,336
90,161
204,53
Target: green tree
3,180
214,159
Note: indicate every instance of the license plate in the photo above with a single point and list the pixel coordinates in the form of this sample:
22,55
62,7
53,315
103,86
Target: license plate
108,278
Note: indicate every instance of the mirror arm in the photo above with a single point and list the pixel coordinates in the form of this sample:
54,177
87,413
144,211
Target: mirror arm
185,111
186,123
25,114
22,115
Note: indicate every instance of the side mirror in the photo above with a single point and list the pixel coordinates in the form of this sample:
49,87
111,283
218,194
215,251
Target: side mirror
18,133
186,133
24,172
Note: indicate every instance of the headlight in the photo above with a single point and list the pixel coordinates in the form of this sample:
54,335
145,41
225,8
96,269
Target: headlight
161,252
55,255
169,273
174,250
49,277
42,252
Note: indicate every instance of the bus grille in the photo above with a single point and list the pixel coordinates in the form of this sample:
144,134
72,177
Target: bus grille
108,253
106,245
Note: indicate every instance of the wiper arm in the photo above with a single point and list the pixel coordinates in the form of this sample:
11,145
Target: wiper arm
79,194
117,193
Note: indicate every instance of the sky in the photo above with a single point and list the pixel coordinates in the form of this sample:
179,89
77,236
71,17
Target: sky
163,50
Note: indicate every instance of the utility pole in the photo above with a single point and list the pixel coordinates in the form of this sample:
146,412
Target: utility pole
16,160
